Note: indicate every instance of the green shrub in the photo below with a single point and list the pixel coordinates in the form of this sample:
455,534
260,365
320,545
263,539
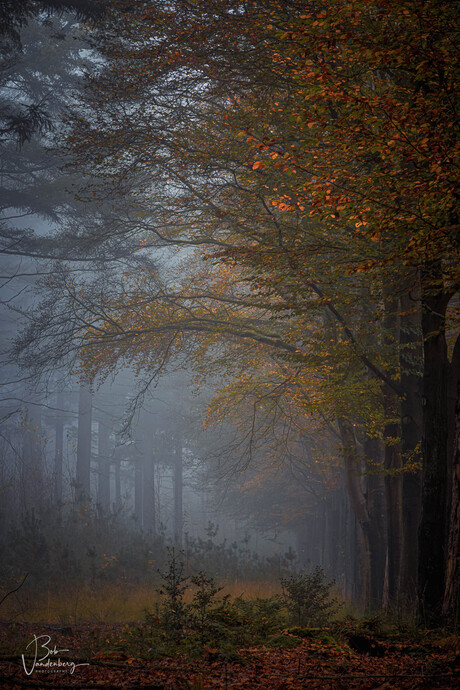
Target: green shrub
202,603
308,597
174,610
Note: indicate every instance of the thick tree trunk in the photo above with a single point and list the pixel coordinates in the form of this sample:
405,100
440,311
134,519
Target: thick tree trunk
432,544
411,436
83,474
377,526
451,603
332,504
358,503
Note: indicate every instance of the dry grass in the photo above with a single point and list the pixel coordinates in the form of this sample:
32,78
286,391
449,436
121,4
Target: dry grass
112,603
252,589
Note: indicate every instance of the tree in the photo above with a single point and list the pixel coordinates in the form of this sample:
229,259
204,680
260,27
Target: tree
300,167
41,220
21,120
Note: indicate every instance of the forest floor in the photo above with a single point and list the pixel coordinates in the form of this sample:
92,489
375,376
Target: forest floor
89,656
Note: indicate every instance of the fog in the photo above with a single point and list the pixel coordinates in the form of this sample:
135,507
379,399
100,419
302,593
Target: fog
216,338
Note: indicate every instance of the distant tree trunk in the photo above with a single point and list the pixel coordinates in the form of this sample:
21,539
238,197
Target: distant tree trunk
301,544
323,532
148,487
83,475
411,436
377,526
58,451
432,537
138,490
117,484
349,552
451,603
178,489
103,465
358,503
31,467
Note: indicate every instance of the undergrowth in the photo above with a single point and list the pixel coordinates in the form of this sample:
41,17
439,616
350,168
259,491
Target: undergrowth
217,625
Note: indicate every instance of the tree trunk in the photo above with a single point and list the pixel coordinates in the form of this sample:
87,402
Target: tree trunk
117,484
138,491
377,526
451,603
178,488
83,474
148,502
411,435
332,502
432,536
349,551
393,493
393,462
58,451
103,465
358,503
31,466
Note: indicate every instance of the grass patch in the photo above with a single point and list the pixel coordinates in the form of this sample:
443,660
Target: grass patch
110,603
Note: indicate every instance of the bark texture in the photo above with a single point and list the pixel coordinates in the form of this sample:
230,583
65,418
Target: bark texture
411,437
377,524
432,536
359,506
451,604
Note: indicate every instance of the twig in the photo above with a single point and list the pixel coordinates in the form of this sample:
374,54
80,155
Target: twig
14,590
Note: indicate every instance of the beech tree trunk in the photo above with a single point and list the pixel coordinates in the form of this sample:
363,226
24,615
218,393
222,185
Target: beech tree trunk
451,603
358,503
411,437
332,503
377,525
432,537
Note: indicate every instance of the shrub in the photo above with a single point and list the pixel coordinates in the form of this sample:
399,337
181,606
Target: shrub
203,601
174,610
308,596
